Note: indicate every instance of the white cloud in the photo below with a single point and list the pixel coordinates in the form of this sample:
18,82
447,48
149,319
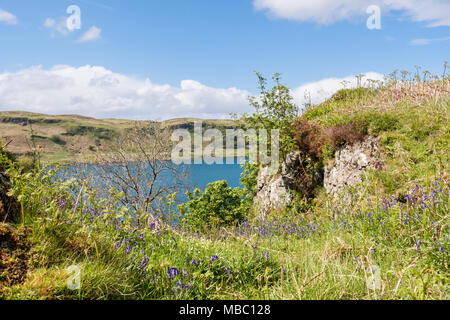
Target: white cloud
92,34
57,26
98,92
434,12
7,17
424,41
318,92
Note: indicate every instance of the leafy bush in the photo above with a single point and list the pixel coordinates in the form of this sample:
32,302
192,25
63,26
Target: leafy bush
249,178
218,205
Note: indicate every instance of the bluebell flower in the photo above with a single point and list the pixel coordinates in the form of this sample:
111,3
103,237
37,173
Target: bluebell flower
213,258
174,271
194,262
442,249
169,274
418,244
143,263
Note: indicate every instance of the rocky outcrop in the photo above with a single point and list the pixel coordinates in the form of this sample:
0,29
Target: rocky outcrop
349,164
273,193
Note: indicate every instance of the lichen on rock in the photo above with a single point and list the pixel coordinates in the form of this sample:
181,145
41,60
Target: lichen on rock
272,193
349,164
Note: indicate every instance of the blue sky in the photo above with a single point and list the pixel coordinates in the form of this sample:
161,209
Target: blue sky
214,46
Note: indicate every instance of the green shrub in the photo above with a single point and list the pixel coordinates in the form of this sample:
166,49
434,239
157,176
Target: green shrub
218,205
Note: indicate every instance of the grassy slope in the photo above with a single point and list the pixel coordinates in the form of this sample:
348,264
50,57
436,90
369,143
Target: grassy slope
62,137
326,253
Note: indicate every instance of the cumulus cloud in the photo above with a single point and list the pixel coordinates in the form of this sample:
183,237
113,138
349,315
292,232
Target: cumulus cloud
434,12
318,92
7,17
98,92
92,34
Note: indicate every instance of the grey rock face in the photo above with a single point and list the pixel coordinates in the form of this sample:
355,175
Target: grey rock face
272,192
349,164
289,169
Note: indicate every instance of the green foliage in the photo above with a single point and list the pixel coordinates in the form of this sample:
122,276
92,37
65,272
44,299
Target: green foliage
248,180
218,205
6,159
274,109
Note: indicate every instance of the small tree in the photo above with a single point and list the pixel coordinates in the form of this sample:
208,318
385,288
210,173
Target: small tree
274,109
138,165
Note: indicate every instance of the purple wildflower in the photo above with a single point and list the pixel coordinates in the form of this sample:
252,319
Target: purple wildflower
213,258
418,244
169,274
442,249
194,262
174,271
143,263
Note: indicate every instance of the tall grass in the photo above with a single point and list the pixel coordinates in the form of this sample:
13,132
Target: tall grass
328,256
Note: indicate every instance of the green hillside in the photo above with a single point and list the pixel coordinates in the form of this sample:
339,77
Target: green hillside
62,137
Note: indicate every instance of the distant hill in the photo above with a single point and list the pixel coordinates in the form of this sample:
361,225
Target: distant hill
64,136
